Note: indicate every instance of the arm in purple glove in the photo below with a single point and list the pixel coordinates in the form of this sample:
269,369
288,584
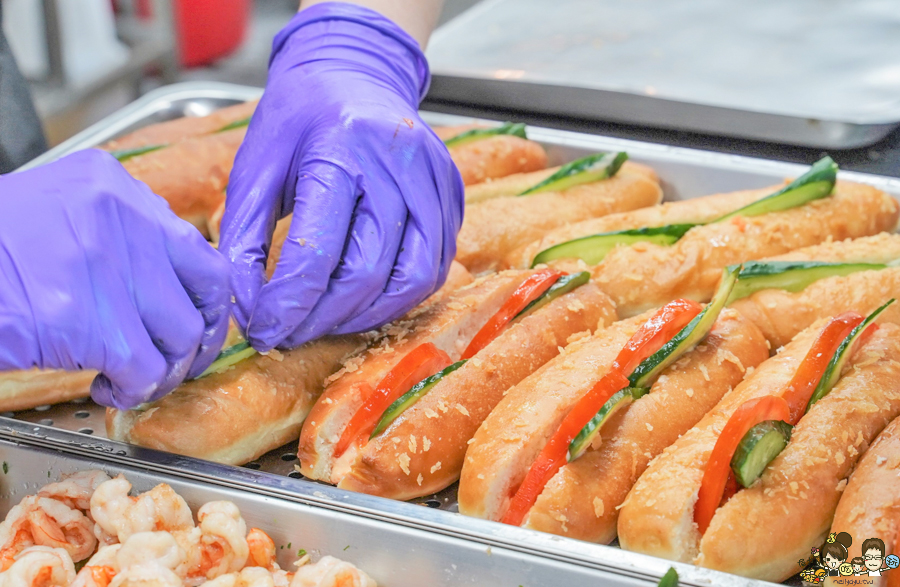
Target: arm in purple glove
97,273
376,200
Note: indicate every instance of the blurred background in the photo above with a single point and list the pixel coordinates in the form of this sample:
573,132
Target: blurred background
776,79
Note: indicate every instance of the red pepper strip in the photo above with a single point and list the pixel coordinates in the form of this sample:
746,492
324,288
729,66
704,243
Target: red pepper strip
811,370
656,332
652,335
423,361
530,290
553,456
748,415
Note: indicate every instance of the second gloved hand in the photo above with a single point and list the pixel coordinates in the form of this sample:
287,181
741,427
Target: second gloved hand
376,200
96,272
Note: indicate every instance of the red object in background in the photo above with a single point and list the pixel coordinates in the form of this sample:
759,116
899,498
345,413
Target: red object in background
209,29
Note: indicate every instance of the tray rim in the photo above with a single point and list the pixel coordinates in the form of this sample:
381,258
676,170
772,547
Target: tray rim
603,558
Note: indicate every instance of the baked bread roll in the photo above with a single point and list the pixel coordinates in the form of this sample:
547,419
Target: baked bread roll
580,500
186,127
870,504
493,228
702,209
748,535
449,324
646,275
423,449
782,314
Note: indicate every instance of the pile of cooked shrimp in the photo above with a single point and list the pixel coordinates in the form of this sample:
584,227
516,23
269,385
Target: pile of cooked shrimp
149,540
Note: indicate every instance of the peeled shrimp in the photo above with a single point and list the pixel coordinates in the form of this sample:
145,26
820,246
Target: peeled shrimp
45,522
75,490
39,566
140,550
146,575
331,572
218,545
248,577
262,550
118,516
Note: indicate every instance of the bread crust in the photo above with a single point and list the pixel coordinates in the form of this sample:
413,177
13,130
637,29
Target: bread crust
645,275
516,430
657,516
781,314
23,390
449,324
493,228
804,482
433,434
173,131
497,156
510,185
581,501
240,414
191,175
870,505
702,209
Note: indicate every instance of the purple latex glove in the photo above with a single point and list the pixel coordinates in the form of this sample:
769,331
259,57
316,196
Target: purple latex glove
97,273
377,201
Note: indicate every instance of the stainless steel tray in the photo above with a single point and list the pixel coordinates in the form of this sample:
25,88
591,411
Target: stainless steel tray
394,554
686,174
800,72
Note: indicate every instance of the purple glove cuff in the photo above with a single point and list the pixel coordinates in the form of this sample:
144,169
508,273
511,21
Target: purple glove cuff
419,76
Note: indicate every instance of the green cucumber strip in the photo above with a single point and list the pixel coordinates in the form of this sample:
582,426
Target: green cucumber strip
563,285
592,249
585,170
688,337
406,400
228,357
841,356
816,183
759,447
476,134
126,154
670,579
790,276
236,124
616,402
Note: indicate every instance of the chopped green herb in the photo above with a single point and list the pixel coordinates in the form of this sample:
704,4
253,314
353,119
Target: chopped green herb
289,544
5,467
670,579
301,553
346,547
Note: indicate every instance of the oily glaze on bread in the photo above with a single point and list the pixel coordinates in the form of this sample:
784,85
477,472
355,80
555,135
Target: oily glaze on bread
422,451
749,534
782,314
23,390
449,324
646,275
581,501
493,228
870,504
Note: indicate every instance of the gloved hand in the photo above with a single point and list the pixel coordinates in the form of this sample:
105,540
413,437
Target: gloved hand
97,273
377,201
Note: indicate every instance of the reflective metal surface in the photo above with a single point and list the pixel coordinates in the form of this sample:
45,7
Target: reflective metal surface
78,428
801,72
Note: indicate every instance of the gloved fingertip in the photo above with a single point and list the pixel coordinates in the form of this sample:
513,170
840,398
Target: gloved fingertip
106,393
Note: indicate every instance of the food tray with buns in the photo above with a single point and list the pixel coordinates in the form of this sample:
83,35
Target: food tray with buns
684,174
